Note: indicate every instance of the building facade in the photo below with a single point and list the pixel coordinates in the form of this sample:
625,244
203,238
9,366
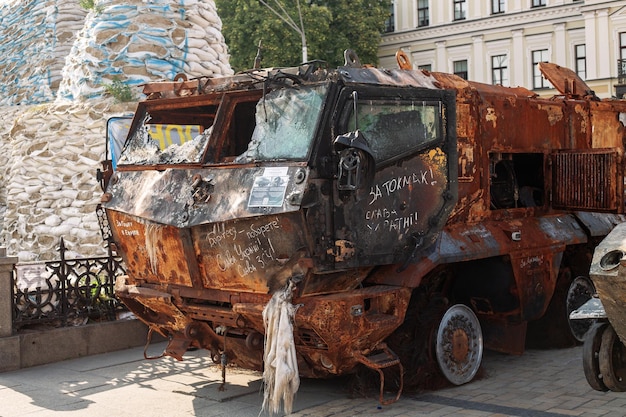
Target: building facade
501,41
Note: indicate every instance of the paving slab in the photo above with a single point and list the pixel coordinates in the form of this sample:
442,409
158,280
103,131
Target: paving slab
548,383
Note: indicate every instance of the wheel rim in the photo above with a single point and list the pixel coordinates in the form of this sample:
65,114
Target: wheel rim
580,291
459,344
612,360
591,352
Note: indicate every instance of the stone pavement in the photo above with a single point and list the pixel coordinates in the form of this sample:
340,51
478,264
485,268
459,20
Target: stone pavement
539,383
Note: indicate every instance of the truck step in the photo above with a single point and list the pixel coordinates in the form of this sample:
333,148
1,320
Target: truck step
382,357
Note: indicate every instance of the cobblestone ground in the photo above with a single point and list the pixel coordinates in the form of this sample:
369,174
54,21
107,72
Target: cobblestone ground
540,383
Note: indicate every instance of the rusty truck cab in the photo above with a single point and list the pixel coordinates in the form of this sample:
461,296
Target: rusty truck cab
269,180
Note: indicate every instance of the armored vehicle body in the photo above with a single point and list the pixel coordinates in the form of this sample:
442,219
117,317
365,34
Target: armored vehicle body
415,216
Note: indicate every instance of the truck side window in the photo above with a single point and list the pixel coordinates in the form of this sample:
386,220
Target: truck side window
166,137
395,128
516,180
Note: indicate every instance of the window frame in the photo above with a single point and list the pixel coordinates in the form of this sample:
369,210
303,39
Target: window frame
423,13
502,70
497,6
461,73
460,9
538,3
580,60
539,82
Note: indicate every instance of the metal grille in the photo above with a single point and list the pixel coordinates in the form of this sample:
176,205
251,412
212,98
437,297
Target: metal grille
585,180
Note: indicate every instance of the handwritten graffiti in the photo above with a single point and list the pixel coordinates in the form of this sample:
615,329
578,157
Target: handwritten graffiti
535,261
126,228
261,230
394,185
220,234
245,257
393,223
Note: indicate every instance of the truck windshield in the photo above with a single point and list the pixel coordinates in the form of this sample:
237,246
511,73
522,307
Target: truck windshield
285,124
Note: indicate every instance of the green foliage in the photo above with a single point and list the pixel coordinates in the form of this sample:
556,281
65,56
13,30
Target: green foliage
90,5
120,91
331,26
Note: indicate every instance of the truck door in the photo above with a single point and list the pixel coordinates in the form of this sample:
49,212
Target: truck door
396,153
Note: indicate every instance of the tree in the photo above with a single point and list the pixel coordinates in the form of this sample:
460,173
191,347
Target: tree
331,26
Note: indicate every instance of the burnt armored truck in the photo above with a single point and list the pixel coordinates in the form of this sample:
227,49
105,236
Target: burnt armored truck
416,216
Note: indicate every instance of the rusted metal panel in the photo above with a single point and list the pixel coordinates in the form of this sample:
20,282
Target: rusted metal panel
565,80
153,252
587,180
185,198
257,255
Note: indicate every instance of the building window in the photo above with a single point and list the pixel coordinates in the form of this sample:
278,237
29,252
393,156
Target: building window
390,25
500,70
538,80
622,45
539,3
497,6
425,67
422,13
460,9
460,68
580,55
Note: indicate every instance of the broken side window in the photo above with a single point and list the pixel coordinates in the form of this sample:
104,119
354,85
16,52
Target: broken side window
396,128
159,143
286,121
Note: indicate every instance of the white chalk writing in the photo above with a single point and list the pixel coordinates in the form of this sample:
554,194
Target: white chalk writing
536,260
405,181
220,234
395,224
261,230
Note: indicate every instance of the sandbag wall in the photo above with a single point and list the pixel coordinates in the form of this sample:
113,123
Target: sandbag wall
37,36
51,144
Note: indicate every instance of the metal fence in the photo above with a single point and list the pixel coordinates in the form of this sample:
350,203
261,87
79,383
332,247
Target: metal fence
66,292
621,71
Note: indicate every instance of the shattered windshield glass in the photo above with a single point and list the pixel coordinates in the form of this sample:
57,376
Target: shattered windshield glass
165,144
285,123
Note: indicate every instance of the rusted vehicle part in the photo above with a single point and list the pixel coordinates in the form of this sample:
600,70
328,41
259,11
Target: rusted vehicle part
604,352
459,345
418,216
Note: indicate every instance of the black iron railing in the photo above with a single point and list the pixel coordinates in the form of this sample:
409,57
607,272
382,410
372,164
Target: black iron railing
66,292
621,71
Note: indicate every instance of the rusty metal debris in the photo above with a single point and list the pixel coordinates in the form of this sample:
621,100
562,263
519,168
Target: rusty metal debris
386,196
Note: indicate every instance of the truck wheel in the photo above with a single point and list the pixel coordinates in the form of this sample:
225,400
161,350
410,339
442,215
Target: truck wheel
591,353
459,344
612,360
580,291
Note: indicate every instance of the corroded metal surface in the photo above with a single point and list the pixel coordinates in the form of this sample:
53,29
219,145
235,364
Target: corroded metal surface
382,196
